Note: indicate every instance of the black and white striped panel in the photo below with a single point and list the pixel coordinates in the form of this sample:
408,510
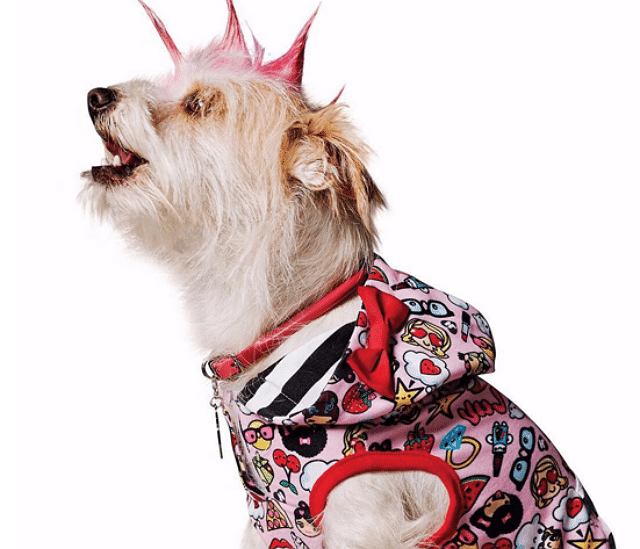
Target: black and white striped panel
297,380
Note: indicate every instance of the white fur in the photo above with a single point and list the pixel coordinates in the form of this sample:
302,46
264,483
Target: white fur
258,209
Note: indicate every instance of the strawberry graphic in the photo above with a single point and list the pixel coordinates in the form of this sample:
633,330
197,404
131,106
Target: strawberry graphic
419,439
358,399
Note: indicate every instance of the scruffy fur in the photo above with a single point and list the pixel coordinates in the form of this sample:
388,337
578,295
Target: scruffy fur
258,203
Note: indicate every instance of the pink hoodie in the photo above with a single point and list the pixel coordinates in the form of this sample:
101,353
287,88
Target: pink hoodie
399,389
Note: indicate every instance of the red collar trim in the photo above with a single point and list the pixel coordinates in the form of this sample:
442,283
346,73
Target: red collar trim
224,367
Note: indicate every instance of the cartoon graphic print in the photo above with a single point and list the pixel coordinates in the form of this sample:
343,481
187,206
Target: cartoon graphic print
482,324
355,438
312,472
475,363
290,464
431,308
259,435
521,466
572,511
500,438
307,441
325,411
501,514
304,521
419,439
263,470
486,345
430,337
551,539
472,487
465,539
413,283
428,370
547,481
276,517
530,535
280,544
358,399
461,420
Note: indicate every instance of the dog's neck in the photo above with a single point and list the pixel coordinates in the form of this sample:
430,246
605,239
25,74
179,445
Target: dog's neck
233,298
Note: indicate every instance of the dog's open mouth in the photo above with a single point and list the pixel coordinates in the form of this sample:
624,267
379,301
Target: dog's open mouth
121,168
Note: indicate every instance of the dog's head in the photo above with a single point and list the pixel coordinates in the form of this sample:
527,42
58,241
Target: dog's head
227,147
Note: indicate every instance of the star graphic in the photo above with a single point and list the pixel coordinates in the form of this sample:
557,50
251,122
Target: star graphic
588,542
443,405
405,397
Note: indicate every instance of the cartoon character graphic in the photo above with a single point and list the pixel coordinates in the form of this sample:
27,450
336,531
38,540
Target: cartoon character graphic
486,345
530,535
258,435
547,481
501,514
551,539
304,521
325,411
475,363
430,337
306,440
355,438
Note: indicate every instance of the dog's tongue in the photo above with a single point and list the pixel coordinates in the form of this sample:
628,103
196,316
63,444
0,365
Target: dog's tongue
125,156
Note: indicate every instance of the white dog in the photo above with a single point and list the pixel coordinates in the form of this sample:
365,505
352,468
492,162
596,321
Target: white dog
258,201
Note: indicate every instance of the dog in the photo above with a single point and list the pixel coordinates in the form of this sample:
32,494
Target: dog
350,390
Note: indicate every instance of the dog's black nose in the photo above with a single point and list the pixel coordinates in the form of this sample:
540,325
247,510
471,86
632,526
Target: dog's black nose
100,100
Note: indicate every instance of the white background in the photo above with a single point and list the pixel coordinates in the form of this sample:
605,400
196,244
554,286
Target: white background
507,137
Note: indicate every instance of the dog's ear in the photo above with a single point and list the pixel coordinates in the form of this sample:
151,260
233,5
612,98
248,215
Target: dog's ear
323,155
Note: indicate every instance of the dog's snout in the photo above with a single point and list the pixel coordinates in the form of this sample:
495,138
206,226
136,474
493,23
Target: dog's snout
100,100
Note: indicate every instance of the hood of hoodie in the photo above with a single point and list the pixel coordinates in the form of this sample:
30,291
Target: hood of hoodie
435,339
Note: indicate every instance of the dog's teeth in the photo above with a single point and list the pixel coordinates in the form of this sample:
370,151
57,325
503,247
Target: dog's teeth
104,162
117,161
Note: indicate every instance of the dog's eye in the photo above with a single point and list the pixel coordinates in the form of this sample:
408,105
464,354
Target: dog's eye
194,104
205,102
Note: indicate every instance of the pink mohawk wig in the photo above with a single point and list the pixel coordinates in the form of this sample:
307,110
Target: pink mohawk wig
232,50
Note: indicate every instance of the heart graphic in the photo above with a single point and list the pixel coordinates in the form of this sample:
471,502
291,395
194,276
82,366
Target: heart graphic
574,506
427,367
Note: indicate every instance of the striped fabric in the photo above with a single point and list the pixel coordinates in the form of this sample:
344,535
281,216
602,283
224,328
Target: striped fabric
296,381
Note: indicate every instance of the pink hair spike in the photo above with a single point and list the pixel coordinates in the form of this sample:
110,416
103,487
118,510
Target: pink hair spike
233,39
289,66
175,53
338,96
258,51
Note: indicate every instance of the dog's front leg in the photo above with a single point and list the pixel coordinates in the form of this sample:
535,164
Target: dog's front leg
384,510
